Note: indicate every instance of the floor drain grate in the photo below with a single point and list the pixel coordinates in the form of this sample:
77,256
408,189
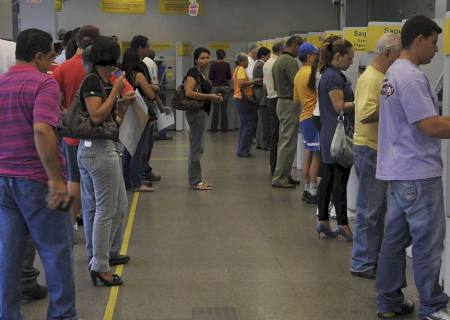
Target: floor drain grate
219,313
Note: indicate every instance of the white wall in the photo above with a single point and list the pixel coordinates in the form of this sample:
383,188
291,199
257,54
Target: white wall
6,25
230,20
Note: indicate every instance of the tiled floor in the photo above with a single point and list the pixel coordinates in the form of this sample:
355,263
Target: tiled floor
244,247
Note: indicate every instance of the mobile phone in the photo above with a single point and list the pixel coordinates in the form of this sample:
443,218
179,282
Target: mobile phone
118,73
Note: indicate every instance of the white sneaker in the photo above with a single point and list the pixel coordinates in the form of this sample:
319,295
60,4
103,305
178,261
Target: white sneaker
438,315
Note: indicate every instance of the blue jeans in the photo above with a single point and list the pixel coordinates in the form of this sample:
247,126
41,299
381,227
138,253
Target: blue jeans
197,128
104,201
371,206
416,215
134,166
249,122
24,212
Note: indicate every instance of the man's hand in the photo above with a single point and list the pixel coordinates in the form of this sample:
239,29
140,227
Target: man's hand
58,197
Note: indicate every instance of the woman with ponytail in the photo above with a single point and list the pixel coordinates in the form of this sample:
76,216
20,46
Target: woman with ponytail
335,96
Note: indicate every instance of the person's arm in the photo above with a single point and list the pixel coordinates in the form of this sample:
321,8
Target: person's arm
145,86
98,109
242,79
435,127
190,83
337,99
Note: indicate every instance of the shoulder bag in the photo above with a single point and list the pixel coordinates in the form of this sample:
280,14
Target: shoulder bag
341,149
183,103
76,123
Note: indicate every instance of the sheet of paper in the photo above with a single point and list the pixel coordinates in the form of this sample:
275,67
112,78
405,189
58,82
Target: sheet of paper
165,120
133,124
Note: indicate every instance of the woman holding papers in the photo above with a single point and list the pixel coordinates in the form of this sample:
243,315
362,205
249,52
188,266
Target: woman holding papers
103,194
198,87
134,166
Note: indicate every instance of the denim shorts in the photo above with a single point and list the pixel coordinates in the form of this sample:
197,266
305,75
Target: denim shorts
310,135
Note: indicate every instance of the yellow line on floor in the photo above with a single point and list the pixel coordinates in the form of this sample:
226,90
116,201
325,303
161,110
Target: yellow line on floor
114,293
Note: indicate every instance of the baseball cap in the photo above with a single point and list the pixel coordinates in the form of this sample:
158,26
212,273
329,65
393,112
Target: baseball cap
305,49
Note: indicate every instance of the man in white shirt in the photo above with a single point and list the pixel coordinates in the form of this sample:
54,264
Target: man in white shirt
149,61
277,49
31,289
252,51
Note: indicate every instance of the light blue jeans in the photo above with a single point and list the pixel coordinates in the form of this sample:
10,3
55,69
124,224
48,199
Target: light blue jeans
371,206
104,200
197,128
415,216
24,212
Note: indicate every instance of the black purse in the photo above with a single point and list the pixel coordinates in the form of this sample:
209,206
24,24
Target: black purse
183,103
76,123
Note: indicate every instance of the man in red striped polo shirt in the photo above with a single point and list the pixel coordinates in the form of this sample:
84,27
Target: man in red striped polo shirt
33,195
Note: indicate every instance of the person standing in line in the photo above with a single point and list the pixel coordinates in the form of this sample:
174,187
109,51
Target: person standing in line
305,93
409,158
252,55
284,71
220,76
262,131
34,200
247,112
372,193
197,118
272,99
335,96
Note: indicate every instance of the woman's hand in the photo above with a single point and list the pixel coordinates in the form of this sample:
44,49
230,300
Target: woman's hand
130,96
119,84
214,97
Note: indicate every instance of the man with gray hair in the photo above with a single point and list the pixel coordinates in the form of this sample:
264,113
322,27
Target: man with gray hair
371,200
252,51
272,99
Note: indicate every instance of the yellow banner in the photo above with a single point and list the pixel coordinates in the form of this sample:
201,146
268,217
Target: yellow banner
315,38
160,46
122,6
184,49
376,29
358,37
180,7
219,45
58,5
447,34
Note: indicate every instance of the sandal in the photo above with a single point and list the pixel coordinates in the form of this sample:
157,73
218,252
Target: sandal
144,188
202,186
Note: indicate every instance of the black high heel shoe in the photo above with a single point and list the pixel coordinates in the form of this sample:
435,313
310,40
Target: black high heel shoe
117,280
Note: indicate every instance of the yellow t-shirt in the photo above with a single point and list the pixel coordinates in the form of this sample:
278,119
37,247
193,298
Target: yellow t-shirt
367,101
303,94
240,74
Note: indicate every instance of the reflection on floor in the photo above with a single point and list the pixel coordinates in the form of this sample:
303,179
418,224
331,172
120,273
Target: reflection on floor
242,251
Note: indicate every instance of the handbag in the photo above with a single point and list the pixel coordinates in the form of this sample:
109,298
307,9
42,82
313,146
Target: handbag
76,123
341,149
183,103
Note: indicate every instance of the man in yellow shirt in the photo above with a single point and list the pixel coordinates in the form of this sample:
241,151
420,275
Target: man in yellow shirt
305,93
371,200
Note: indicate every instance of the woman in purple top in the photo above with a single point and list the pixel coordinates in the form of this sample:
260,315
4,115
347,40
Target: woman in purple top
220,75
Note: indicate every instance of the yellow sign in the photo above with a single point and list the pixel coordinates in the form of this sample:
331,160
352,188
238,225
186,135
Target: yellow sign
447,34
180,7
358,37
124,45
219,45
122,6
316,38
58,5
330,33
184,49
376,29
160,46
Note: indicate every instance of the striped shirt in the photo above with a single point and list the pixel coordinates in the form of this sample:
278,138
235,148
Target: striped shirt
27,97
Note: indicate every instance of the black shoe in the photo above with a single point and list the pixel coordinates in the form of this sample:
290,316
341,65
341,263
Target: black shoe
116,281
36,293
293,181
80,221
368,274
311,199
405,308
121,259
305,195
285,186
245,155
154,177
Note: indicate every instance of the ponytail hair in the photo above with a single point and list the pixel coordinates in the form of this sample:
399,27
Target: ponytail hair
329,48
313,76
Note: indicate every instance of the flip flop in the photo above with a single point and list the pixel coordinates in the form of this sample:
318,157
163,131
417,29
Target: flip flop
203,186
144,188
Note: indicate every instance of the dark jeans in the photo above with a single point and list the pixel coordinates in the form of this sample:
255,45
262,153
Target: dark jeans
224,90
333,183
24,213
274,125
147,168
133,167
197,127
249,121
29,272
